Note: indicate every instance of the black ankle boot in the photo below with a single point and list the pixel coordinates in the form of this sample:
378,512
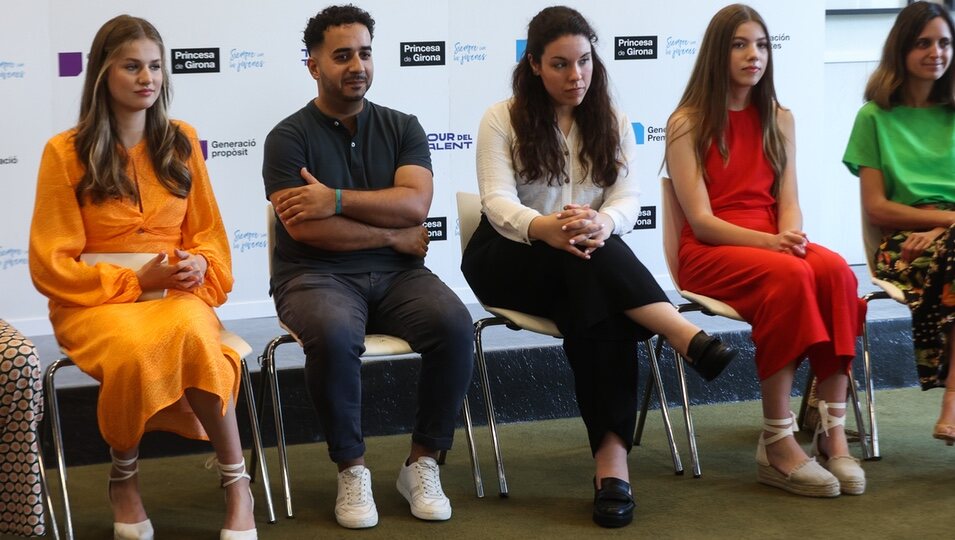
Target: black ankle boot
708,356
613,503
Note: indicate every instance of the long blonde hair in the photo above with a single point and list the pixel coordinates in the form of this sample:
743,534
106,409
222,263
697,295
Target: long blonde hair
706,98
97,142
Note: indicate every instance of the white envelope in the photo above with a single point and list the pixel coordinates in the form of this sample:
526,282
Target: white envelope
133,261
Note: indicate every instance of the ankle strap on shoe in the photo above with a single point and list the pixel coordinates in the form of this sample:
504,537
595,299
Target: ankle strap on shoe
229,473
774,426
121,466
828,421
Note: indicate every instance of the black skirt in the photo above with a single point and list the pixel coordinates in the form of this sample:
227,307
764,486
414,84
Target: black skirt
584,298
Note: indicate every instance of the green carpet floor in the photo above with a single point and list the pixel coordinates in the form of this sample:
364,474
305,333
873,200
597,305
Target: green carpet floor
911,491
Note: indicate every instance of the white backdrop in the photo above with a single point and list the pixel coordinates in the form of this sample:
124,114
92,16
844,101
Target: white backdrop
262,79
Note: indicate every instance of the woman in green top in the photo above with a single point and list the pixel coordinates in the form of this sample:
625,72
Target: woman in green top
902,148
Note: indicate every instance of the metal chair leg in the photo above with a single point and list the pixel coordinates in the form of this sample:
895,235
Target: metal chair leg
270,375
472,450
860,423
257,439
664,409
50,514
488,403
644,408
53,409
874,455
259,414
687,418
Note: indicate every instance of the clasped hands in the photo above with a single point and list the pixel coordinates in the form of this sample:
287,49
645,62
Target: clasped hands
792,241
186,275
576,229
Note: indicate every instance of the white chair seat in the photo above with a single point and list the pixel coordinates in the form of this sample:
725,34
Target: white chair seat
375,344
236,343
890,289
382,345
525,321
711,305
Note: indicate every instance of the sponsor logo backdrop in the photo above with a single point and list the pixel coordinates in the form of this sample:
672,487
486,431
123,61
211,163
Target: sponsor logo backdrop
241,70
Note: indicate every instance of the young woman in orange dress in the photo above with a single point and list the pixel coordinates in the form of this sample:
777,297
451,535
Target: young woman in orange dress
128,179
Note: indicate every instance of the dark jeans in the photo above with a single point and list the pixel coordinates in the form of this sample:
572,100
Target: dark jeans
331,313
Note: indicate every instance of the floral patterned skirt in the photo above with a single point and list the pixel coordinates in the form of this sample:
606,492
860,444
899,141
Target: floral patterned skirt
928,283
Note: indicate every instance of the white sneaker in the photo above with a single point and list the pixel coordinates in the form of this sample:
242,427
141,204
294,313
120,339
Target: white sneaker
355,505
420,484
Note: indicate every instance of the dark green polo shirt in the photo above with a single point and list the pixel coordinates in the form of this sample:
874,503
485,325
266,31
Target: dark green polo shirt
384,140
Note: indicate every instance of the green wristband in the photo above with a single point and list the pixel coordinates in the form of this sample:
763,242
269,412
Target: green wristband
338,201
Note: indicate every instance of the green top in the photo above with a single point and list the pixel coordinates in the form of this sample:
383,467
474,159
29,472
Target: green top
913,147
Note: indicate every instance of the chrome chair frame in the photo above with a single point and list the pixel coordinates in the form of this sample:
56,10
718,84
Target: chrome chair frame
871,238
672,220
469,212
376,346
53,410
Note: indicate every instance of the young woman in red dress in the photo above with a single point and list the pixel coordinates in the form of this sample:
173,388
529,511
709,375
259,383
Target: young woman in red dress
731,155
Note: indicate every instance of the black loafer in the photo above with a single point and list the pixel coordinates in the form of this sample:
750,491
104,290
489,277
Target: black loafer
613,503
708,356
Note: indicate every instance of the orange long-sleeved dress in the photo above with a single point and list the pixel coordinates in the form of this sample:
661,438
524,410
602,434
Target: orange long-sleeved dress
145,354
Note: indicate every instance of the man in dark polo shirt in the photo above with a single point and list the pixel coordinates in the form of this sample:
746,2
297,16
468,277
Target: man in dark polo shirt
351,184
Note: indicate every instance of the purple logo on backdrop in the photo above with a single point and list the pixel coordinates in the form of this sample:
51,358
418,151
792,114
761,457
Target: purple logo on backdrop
71,64
205,149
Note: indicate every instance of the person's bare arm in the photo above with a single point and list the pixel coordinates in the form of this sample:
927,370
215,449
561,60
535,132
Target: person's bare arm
405,204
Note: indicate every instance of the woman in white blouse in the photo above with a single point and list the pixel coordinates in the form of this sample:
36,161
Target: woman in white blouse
557,193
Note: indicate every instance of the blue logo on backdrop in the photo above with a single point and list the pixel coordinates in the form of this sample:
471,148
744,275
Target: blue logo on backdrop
12,70
638,132
12,257
677,47
243,241
304,56
241,60
520,48
644,134
464,53
449,141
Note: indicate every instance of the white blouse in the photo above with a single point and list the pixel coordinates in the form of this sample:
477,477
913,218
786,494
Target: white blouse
511,204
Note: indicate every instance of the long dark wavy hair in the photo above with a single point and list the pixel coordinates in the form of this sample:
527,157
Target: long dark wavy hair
706,98
97,138
888,80
537,152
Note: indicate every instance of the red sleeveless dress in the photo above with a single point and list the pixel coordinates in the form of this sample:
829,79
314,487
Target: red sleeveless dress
797,306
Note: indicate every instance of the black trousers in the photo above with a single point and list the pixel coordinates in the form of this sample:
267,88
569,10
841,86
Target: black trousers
587,300
331,313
